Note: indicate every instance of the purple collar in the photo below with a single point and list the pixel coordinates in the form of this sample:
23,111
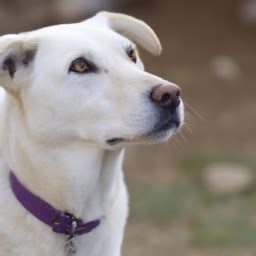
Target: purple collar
60,222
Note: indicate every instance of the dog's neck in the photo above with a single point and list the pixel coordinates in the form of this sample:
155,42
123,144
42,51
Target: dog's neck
78,178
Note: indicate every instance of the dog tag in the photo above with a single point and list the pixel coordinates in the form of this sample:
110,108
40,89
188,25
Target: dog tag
70,246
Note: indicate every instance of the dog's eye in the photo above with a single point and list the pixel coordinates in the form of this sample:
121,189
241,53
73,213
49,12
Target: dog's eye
81,65
132,54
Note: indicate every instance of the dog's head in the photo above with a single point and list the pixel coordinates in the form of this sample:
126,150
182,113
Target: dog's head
86,82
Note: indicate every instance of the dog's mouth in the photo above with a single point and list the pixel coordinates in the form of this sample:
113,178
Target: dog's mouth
164,126
160,130
115,141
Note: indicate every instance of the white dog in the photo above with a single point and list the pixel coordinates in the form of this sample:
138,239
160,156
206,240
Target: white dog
74,96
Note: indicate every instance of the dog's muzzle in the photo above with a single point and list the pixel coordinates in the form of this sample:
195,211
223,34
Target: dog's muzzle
166,101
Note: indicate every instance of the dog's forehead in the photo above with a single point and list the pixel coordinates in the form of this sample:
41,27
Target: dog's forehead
80,36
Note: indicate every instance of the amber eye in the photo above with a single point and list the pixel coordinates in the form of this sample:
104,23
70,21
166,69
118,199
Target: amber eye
81,65
132,54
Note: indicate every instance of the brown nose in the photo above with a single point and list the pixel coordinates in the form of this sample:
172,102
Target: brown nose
166,95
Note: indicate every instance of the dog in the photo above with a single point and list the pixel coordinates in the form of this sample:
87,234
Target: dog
73,97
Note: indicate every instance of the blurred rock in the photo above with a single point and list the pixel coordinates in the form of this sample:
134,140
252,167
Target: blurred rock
227,178
225,67
248,11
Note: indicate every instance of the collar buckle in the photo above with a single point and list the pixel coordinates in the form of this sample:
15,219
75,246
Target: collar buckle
65,223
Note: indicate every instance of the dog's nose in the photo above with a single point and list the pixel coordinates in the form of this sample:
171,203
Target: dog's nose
167,95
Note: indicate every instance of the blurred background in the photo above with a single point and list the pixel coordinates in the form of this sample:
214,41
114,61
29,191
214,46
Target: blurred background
195,195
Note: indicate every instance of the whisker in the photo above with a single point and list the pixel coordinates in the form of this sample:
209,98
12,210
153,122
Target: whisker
194,111
183,137
186,126
189,115
177,141
174,142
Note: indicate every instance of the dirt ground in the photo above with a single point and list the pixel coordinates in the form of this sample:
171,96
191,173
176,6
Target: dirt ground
149,239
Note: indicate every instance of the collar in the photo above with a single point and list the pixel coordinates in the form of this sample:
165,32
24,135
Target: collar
60,222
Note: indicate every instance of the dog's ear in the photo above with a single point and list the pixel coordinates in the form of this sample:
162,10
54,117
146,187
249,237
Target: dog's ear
17,53
132,28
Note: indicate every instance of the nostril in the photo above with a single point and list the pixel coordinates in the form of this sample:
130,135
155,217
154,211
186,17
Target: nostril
166,97
178,93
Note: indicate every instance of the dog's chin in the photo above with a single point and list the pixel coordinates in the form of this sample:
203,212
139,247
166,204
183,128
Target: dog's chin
159,133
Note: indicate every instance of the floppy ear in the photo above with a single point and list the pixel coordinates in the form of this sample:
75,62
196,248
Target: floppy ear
132,28
17,53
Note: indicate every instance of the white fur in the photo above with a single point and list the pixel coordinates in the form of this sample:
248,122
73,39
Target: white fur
54,126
